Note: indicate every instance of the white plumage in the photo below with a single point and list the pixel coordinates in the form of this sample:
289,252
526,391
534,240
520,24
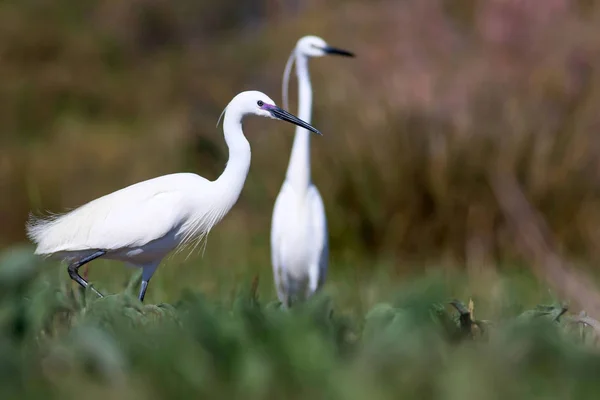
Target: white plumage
144,222
299,238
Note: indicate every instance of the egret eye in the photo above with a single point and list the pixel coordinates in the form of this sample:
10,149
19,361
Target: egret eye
260,103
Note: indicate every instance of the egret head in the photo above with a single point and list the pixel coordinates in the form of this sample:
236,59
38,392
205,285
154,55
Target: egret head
307,46
258,103
314,46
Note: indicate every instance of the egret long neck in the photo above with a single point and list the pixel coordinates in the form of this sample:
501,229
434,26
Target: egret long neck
298,172
231,181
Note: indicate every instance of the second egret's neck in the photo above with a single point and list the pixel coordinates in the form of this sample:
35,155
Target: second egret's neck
231,181
298,172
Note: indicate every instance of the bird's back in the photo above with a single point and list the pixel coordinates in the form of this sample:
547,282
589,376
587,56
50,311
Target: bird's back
129,217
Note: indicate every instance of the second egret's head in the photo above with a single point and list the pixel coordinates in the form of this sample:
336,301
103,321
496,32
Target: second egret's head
314,46
258,103
307,46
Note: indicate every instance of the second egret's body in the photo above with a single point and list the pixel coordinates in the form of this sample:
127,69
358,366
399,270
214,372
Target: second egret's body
299,239
144,222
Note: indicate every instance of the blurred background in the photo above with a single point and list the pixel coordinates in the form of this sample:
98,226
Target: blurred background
100,94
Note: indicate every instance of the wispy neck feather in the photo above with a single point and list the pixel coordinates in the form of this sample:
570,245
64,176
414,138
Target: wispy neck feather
298,172
226,189
230,183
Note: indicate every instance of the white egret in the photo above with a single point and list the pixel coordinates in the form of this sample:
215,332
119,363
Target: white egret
299,238
142,223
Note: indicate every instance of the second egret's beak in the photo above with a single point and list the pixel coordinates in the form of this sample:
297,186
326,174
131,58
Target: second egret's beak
337,52
286,116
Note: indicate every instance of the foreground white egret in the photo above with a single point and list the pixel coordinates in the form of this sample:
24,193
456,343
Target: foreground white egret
142,223
299,243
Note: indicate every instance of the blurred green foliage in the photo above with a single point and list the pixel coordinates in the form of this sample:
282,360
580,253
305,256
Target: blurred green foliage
56,342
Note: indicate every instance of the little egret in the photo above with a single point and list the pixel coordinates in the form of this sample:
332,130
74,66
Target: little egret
299,242
144,222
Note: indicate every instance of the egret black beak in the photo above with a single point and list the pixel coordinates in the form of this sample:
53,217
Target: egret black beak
337,52
286,116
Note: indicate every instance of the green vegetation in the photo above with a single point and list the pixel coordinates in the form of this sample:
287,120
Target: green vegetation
59,342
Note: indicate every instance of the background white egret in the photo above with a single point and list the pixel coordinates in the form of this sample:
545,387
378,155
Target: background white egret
142,223
299,242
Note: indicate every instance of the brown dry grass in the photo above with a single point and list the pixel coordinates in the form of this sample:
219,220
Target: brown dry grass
98,96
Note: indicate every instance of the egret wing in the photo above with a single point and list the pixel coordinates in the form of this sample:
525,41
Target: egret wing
319,235
128,218
277,230
136,223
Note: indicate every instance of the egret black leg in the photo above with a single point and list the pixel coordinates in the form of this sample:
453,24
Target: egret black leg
143,290
73,269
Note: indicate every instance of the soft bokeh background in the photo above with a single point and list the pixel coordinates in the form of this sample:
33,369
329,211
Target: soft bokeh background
460,160
99,94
